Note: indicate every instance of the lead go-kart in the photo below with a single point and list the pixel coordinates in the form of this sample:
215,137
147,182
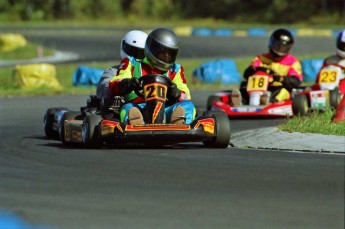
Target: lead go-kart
258,104
95,126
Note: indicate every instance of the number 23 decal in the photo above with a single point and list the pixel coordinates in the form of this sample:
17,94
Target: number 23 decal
328,76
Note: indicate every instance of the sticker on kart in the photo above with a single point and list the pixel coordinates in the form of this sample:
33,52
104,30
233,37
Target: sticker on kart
245,109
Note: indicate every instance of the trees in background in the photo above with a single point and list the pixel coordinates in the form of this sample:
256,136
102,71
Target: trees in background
249,11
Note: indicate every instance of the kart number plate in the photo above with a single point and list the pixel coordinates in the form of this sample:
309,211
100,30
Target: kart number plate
257,83
155,91
328,76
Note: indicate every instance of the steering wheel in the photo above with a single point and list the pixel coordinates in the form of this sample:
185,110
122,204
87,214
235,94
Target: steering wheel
266,70
151,78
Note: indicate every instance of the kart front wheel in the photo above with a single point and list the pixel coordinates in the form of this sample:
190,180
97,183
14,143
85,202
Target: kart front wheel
90,131
334,98
223,131
300,105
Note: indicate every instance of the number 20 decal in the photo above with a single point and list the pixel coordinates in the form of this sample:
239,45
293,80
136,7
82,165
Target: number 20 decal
155,91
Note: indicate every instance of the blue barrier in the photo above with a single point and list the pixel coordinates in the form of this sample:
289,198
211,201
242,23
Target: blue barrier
257,32
85,76
223,32
222,71
10,220
302,32
202,32
310,69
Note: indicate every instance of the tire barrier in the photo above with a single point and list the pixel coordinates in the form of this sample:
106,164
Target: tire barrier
11,41
222,71
86,76
251,32
310,68
36,75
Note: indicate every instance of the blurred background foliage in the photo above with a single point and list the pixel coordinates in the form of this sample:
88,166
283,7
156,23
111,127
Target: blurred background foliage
313,12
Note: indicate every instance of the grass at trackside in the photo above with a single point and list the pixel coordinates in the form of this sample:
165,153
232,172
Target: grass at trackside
27,52
316,122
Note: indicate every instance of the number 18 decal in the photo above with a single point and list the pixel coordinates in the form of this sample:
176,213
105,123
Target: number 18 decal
257,83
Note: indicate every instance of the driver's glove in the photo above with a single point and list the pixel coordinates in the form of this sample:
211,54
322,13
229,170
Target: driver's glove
173,93
128,85
278,78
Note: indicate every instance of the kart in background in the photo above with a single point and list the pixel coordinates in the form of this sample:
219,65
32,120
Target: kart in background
92,127
259,104
323,95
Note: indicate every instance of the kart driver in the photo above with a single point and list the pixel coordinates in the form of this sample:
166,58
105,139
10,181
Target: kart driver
161,49
337,59
286,69
132,44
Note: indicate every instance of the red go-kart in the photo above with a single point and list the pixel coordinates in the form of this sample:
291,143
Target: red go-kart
259,104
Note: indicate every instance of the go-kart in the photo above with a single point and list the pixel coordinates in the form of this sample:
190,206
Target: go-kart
93,127
323,95
258,105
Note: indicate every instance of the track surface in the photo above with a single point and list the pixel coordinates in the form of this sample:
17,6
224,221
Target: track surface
179,187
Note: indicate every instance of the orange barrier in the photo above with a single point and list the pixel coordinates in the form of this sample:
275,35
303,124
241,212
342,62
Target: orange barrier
339,115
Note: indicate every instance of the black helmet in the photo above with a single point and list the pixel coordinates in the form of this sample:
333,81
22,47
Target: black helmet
341,43
161,48
280,43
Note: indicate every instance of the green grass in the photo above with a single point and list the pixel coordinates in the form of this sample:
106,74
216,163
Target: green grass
316,122
27,52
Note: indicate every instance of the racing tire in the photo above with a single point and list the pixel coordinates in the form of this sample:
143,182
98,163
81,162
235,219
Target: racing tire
223,130
211,113
334,98
48,122
210,101
300,105
66,116
90,132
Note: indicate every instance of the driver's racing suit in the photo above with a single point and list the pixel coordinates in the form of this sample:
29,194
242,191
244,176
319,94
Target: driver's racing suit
287,74
129,67
102,91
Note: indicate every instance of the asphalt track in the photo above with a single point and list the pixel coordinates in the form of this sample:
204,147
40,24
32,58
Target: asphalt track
184,186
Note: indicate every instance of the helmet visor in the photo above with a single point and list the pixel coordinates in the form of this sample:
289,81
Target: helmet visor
130,50
341,41
281,47
161,52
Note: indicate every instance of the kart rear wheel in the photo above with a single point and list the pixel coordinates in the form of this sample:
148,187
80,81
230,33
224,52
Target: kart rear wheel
223,130
67,116
48,122
210,100
90,131
300,105
334,98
